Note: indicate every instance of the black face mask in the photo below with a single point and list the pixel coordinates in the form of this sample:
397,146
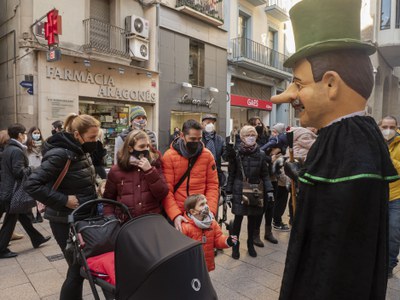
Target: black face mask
192,147
140,154
53,131
259,129
89,147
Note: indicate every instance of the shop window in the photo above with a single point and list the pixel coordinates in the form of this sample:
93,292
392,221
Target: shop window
113,118
179,117
385,14
196,63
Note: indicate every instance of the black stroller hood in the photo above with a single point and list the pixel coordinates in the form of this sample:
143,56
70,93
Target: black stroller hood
155,261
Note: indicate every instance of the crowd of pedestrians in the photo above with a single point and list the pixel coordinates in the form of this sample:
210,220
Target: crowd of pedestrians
184,184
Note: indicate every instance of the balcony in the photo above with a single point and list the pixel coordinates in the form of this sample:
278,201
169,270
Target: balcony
104,38
209,11
277,10
257,2
254,56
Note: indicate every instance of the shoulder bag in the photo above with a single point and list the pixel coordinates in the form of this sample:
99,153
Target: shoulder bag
21,201
252,194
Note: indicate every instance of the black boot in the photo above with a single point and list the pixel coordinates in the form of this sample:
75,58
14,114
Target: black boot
235,251
269,236
256,238
250,248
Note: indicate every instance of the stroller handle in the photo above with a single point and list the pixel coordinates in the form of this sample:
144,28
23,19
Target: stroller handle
71,217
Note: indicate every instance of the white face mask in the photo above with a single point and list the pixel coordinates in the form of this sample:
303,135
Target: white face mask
388,134
250,140
36,136
209,127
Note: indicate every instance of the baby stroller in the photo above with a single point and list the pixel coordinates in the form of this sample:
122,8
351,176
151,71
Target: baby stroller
155,261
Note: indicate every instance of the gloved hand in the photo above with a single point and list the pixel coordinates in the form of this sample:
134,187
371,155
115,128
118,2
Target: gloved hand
277,165
228,198
232,240
292,169
270,197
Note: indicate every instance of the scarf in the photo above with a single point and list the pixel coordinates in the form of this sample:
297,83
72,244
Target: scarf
203,224
210,143
181,147
246,149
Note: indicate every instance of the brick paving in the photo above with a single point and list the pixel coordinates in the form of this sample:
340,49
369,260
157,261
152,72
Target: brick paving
39,273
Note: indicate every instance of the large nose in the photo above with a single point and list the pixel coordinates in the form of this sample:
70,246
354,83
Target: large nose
287,96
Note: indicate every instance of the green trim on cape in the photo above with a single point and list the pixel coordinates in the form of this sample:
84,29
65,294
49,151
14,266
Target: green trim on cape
349,178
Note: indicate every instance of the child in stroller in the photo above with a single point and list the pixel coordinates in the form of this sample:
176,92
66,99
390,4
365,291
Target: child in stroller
202,227
148,252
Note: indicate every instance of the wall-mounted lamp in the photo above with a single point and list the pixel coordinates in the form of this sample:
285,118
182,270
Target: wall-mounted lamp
213,92
120,70
149,75
86,62
186,85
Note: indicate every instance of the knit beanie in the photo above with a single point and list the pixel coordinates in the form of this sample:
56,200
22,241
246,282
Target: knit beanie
137,111
279,127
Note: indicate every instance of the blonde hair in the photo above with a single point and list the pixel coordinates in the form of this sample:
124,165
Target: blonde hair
4,137
131,139
246,130
80,123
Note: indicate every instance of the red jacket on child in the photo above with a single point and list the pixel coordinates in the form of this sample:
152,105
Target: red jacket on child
213,236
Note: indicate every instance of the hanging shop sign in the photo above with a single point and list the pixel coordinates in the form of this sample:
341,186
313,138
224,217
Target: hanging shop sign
237,100
107,87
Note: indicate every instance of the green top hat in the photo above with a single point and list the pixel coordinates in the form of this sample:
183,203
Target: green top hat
326,25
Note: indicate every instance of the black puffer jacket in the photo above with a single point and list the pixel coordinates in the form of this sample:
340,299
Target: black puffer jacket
256,170
79,180
14,165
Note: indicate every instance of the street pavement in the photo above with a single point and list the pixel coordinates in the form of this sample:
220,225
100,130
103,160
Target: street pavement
39,273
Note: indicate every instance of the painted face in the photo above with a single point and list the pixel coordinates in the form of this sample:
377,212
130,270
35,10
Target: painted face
307,97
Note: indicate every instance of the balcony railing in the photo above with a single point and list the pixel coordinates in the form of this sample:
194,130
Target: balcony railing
279,3
211,8
258,53
105,38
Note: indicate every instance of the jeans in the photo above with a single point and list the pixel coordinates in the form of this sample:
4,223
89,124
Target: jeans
394,232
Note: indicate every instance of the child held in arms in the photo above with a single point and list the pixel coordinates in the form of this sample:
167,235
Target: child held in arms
201,226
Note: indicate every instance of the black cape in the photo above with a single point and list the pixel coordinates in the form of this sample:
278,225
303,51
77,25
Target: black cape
338,244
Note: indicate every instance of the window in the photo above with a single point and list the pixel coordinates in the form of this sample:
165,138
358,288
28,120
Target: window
243,33
273,47
196,63
385,14
398,14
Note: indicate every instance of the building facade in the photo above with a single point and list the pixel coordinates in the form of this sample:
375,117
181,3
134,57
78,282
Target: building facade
192,64
106,64
256,50
385,99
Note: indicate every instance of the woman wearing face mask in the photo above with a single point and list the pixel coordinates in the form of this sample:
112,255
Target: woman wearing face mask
262,133
78,186
249,165
136,180
34,150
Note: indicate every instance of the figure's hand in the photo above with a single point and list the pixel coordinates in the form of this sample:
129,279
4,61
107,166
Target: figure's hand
72,202
292,169
178,222
144,164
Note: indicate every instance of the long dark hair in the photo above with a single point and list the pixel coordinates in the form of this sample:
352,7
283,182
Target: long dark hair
130,140
29,140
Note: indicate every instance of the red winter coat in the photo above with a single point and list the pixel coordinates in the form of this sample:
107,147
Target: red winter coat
214,239
141,191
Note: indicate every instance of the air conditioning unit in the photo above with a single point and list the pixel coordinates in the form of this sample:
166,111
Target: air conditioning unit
139,48
137,26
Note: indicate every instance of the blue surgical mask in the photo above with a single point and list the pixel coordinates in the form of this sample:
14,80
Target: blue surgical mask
36,136
250,140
